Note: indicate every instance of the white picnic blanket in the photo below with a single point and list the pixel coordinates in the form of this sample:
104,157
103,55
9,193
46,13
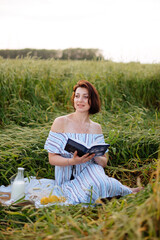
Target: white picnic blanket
35,189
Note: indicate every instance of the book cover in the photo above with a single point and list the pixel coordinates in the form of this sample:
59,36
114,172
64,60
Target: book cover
98,149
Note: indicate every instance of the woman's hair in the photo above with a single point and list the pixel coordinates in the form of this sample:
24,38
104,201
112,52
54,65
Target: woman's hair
94,100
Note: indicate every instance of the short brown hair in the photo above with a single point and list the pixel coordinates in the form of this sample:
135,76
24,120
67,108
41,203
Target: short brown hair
94,100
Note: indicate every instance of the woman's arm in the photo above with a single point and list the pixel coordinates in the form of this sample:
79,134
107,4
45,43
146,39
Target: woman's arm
57,160
102,161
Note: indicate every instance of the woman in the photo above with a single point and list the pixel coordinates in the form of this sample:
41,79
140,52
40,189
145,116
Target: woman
82,179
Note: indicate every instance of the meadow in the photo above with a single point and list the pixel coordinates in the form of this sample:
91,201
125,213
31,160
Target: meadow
32,93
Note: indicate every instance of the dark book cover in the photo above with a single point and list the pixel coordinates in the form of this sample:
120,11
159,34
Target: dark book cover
98,149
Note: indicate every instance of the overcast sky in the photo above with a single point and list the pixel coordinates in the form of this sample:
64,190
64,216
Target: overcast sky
125,30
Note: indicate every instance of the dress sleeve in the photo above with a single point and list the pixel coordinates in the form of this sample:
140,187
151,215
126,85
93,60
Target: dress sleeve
55,142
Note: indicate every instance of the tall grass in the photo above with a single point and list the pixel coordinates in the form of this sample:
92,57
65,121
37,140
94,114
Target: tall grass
29,88
32,93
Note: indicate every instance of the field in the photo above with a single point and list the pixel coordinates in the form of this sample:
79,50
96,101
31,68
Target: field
32,93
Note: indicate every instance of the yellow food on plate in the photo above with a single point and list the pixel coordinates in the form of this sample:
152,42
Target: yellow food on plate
53,198
44,200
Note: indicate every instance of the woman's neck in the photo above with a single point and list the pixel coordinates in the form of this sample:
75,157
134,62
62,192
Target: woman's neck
81,117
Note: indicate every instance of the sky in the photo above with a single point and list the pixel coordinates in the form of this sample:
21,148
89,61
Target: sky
125,30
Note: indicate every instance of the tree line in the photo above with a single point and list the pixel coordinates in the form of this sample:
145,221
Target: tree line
70,53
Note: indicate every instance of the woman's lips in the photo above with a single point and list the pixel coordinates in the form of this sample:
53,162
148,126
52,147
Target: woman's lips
80,105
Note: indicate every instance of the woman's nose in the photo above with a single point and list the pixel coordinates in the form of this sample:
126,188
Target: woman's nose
80,98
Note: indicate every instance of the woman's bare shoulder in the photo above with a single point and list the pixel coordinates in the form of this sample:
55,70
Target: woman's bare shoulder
96,128
59,124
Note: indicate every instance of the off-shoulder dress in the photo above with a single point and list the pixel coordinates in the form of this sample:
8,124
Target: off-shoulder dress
82,183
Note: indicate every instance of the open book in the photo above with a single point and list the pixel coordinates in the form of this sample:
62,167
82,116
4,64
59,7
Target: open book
98,149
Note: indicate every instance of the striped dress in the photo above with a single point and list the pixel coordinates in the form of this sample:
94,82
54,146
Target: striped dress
89,181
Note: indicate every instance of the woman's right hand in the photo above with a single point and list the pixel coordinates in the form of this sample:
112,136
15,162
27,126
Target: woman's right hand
79,160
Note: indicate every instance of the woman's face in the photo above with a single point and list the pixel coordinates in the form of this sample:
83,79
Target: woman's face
81,99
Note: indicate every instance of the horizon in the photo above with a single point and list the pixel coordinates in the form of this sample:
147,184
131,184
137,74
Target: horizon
105,59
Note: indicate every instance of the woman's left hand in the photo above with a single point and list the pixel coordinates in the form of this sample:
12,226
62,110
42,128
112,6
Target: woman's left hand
79,160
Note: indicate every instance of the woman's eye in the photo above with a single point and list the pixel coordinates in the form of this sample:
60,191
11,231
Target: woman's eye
78,96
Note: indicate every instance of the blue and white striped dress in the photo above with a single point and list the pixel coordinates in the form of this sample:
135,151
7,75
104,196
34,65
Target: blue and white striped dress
90,181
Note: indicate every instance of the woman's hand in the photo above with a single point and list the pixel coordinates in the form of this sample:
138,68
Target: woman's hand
57,160
79,160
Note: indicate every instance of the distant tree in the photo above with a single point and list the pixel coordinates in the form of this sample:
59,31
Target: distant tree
81,53
70,53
